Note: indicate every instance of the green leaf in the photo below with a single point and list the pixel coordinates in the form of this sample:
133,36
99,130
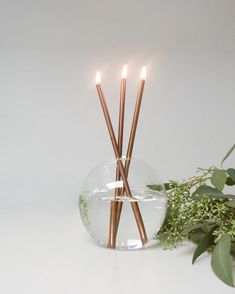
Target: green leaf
219,178
168,186
230,203
228,154
207,190
230,182
232,251
196,235
231,173
192,228
155,187
221,262
211,192
205,243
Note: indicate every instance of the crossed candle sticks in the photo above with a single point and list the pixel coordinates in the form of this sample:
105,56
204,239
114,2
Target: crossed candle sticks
122,170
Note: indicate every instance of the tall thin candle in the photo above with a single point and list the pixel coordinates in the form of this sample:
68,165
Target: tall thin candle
114,204
132,135
134,205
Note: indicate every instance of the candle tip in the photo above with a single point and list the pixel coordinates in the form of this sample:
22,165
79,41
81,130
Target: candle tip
124,72
98,78
143,73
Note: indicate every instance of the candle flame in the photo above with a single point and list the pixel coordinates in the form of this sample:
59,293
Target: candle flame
143,73
98,78
124,72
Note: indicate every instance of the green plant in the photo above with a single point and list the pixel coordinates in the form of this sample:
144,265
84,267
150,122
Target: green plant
84,210
201,210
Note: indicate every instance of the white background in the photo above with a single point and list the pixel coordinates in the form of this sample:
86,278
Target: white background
52,131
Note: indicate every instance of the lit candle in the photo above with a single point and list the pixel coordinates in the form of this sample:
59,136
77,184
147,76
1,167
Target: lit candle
115,204
143,75
134,205
122,108
121,117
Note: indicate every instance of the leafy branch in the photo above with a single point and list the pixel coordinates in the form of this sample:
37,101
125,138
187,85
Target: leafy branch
201,211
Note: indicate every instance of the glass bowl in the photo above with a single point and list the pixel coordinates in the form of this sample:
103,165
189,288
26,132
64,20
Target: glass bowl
97,196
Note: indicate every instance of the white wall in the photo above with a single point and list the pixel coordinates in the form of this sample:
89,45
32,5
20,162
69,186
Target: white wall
52,131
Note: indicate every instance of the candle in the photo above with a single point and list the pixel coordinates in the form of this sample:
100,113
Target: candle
115,204
122,108
134,205
132,134
135,118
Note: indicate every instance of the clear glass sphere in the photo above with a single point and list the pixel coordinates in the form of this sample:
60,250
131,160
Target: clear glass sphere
98,193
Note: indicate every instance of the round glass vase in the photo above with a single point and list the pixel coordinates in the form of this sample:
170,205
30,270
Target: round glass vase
101,190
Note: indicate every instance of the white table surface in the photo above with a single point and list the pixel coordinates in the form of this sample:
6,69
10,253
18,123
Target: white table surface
52,253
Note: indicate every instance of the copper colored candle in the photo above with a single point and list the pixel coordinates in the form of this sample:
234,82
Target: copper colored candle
132,136
134,205
114,204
